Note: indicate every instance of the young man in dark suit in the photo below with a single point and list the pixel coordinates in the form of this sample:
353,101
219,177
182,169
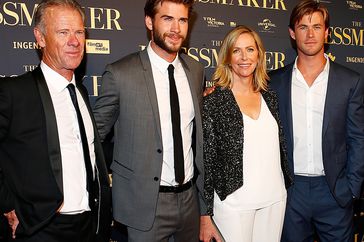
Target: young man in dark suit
321,107
53,180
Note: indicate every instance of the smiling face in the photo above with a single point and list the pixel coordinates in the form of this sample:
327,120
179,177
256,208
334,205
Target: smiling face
244,57
310,34
63,40
168,28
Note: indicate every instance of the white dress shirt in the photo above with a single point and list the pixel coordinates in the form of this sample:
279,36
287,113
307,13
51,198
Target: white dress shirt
308,105
73,166
161,82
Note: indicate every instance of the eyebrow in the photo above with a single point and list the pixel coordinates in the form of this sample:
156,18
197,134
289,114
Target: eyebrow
168,16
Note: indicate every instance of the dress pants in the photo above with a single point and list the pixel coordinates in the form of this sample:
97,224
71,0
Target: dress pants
64,228
311,207
177,219
256,225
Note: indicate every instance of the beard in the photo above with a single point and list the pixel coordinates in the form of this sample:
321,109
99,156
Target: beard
160,40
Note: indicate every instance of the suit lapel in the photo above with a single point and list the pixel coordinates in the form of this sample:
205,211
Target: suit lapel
54,152
149,82
332,94
286,108
192,82
100,159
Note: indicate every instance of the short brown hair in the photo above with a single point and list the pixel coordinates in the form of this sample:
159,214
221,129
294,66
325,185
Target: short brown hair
150,8
223,74
44,4
308,7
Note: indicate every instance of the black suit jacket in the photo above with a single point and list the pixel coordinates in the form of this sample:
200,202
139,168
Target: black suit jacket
30,157
342,131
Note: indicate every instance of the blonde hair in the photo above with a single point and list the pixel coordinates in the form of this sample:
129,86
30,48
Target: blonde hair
223,74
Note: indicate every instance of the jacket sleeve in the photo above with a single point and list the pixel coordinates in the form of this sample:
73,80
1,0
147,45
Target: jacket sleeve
355,137
6,196
106,109
7,199
210,154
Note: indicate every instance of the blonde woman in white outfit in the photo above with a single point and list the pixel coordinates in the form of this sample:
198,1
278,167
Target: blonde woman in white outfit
246,170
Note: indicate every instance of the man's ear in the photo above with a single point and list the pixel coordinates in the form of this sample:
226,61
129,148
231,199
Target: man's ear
292,33
39,36
149,22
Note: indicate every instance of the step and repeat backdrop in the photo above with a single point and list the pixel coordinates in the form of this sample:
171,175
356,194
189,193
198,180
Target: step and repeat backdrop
116,28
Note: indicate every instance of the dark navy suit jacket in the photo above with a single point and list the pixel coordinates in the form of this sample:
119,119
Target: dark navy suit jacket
342,131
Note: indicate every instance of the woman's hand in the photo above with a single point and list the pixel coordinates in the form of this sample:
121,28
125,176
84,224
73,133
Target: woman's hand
208,231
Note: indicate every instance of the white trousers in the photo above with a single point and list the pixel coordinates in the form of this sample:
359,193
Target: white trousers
258,225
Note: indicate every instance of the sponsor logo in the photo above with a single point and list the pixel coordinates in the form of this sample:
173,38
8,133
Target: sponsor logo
331,56
266,26
94,46
358,60
212,22
354,5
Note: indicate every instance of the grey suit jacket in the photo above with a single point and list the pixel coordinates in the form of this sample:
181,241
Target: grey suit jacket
128,102
342,131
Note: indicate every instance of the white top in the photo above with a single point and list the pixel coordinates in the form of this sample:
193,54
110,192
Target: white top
161,82
73,166
263,177
308,105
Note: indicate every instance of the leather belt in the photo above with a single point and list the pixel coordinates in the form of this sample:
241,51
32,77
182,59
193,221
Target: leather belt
176,189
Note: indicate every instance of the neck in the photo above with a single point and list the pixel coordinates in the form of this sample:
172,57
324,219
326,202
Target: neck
315,62
243,85
167,56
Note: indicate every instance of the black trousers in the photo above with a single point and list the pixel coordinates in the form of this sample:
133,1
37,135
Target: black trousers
65,228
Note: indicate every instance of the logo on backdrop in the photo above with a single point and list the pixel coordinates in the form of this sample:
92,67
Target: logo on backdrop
266,26
21,14
264,4
331,56
26,45
353,36
354,5
94,46
212,22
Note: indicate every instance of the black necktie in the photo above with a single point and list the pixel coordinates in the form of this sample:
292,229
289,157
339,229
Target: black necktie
86,152
179,170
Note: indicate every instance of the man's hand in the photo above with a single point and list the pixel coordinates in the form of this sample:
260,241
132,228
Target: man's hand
208,230
13,221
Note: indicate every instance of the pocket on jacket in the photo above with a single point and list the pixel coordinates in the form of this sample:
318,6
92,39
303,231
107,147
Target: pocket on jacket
121,169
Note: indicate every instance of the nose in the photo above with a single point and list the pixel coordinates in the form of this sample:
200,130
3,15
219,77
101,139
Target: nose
73,40
244,55
310,32
176,28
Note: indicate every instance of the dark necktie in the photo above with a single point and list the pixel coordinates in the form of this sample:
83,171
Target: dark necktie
86,152
176,128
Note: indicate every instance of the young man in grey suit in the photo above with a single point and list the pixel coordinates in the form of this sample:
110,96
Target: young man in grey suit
321,107
153,99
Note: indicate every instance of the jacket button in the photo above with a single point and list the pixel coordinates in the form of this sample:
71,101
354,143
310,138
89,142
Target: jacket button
156,178
159,151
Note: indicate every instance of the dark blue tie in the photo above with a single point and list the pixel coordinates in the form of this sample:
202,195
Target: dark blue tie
179,169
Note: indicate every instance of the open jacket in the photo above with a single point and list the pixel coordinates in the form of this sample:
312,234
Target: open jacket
223,129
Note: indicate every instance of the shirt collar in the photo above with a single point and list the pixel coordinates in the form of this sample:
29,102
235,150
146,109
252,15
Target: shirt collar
325,70
53,78
160,63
